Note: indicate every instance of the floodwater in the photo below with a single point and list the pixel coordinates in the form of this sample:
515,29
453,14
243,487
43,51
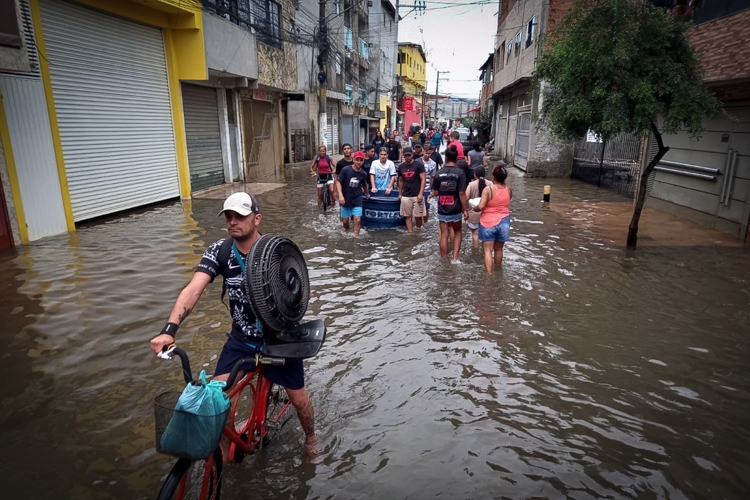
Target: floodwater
578,371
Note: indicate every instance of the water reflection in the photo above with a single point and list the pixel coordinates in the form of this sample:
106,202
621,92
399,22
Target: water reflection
576,371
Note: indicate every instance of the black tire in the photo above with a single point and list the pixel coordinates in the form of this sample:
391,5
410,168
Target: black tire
277,398
326,198
192,490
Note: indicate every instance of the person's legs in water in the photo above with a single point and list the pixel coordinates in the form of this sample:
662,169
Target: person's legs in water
456,226
444,230
498,247
346,213
320,195
474,236
487,247
301,402
334,195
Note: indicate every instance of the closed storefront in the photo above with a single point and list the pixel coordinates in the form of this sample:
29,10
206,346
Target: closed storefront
203,136
333,130
111,96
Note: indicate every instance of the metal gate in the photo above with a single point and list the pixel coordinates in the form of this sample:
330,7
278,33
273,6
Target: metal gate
203,136
522,140
616,169
333,130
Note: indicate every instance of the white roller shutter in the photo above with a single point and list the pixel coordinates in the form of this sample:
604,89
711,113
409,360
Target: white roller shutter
203,136
109,81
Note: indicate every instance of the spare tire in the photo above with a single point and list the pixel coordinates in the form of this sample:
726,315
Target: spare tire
277,282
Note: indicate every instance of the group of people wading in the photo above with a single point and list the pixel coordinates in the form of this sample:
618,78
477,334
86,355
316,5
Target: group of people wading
423,176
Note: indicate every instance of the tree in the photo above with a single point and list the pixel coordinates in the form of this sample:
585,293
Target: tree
615,66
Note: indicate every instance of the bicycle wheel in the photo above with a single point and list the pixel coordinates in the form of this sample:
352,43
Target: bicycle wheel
277,412
186,483
326,198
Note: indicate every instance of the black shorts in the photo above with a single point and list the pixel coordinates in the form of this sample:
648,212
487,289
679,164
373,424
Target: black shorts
291,375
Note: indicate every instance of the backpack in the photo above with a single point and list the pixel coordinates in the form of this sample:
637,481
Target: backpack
225,251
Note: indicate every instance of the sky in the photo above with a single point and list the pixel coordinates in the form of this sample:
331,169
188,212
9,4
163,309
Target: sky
457,36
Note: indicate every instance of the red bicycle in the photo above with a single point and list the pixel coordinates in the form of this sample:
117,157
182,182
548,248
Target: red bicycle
253,419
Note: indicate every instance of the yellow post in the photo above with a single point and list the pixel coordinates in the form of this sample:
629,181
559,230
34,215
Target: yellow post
547,191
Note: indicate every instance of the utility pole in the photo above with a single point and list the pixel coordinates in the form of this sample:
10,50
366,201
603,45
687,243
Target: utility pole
322,60
437,85
394,107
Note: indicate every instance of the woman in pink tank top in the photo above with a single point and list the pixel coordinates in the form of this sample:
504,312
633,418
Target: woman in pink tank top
494,223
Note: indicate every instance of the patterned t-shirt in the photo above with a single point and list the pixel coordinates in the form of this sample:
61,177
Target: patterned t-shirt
243,319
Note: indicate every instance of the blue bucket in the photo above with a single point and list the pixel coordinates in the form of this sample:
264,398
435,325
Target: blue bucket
382,211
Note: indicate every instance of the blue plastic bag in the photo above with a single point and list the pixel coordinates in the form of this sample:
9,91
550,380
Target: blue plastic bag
195,428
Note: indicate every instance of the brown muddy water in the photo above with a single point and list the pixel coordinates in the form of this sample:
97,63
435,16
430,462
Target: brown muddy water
577,371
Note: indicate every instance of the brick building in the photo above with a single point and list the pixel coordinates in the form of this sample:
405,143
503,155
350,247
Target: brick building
707,179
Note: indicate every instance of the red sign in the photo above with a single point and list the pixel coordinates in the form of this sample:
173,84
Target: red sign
408,104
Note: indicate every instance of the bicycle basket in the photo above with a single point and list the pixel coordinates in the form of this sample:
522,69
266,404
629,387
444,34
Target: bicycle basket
277,282
182,434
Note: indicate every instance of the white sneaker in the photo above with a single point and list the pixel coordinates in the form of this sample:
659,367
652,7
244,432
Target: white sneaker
455,261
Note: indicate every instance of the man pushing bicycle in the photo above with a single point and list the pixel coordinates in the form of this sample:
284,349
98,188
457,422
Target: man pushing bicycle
226,257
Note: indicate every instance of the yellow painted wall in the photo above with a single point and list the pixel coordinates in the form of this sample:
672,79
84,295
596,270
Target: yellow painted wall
383,106
412,67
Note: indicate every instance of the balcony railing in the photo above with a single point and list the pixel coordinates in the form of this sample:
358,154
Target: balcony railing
364,49
348,39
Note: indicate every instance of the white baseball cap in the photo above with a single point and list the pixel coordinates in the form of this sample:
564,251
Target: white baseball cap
242,203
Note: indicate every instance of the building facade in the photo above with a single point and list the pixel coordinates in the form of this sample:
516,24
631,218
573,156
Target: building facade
112,105
383,56
412,82
707,178
517,45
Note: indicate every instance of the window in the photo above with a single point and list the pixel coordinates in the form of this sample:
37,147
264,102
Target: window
268,26
349,91
508,50
364,99
337,7
348,39
530,31
518,41
10,34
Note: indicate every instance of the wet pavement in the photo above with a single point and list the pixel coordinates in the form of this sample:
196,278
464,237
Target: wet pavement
577,371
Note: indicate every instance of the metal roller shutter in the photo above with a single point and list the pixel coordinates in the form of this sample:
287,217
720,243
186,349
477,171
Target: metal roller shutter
109,81
203,136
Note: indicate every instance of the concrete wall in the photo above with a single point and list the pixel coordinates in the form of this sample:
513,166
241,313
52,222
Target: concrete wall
15,59
521,63
220,35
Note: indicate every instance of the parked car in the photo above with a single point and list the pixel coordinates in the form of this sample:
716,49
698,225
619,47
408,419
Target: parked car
466,141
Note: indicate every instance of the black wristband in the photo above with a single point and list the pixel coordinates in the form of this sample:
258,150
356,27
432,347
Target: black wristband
170,328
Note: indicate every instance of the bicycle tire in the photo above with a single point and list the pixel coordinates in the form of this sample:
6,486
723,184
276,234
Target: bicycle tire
275,401
170,488
326,198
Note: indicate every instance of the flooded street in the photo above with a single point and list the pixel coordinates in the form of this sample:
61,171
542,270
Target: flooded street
577,371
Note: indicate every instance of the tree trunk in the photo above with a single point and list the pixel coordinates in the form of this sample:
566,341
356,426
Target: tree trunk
633,228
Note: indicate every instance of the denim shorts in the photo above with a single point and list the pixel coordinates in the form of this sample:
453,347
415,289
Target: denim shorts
347,212
450,218
291,375
500,233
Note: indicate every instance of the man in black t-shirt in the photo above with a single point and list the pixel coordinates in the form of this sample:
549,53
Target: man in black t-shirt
411,179
449,187
242,215
343,162
352,186
394,149
369,158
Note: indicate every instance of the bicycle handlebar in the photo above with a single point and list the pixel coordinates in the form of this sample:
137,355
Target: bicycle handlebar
250,364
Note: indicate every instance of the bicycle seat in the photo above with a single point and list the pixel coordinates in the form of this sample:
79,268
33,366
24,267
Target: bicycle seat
301,342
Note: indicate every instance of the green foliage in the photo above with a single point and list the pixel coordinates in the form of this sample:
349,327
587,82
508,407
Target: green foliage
616,66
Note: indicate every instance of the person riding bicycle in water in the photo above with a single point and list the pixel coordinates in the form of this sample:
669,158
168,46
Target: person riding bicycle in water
323,166
242,215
